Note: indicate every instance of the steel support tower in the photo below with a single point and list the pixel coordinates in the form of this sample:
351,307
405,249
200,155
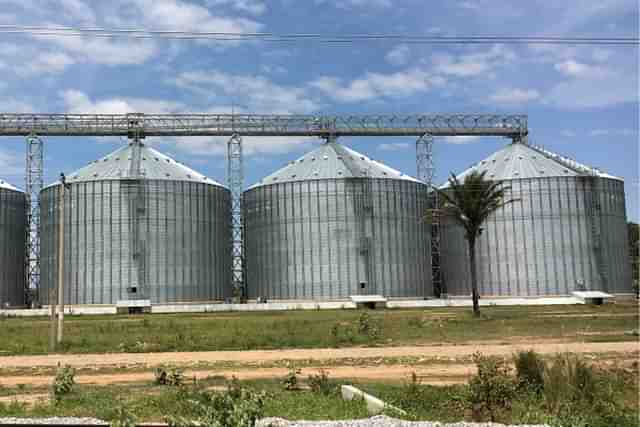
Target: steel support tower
34,181
235,181
426,171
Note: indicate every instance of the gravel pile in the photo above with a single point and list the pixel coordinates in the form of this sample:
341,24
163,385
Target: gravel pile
54,421
378,421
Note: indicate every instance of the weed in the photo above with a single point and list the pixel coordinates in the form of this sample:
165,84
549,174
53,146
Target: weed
290,381
169,376
64,382
320,383
492,389
368,327
529,370
123,417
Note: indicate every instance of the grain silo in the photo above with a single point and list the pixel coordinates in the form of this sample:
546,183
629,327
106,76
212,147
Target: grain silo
565,232
13,235
138,226
333,224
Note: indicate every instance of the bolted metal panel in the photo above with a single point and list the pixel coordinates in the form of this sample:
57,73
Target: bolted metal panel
324,238
562,234
125,239
13,233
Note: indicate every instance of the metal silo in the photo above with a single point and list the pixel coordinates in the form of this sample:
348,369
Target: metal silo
335,223
565,232
13,234
138,226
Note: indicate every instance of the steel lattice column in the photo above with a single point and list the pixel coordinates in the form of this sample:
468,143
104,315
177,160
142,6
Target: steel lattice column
34,181
235,180
426,173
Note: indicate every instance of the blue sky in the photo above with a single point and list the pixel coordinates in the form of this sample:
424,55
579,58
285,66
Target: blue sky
581,101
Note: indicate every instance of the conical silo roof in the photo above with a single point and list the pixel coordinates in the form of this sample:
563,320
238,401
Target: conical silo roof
332,161
137,161
6,186
522,161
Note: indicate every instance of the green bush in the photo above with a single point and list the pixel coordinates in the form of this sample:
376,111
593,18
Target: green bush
235,407
529,370
64,382
320,383
169,376
492,389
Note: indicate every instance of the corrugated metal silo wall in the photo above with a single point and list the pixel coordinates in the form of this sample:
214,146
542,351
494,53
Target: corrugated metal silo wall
321,239
168,239
545,242
13,233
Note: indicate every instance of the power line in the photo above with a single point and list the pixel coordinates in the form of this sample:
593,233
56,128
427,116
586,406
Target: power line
49,31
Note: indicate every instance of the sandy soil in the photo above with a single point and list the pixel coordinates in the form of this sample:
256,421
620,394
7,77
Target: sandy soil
433,374
436,374
186,358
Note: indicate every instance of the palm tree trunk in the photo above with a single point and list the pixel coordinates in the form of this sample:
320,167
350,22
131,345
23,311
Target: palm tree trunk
474,277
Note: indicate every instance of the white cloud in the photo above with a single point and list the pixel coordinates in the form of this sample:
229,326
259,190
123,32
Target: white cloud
79,11
573,68
473,64
394,146
568,133
514,96
461,139
187,16
614,132
79,102
375,85
253,7
347,4
260,94
594,93
104,51
399,55
251,146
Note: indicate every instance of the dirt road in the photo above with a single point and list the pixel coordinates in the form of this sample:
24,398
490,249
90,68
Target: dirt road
257,356
432,374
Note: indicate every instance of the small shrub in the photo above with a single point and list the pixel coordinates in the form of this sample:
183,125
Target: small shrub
290,381
171,377
235,407
529,370
368,327
123,418
320,383
492,389
64,382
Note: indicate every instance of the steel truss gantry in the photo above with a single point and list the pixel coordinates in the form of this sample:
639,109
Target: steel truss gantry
425,127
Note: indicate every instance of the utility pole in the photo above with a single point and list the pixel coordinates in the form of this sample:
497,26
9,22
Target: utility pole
60,331
52,325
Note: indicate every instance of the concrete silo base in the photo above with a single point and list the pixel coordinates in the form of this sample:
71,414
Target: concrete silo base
306,305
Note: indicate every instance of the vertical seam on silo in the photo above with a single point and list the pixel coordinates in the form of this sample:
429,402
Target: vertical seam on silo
562,230
571,227
534,237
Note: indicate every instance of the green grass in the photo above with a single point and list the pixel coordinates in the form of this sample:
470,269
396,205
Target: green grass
314,329
152,403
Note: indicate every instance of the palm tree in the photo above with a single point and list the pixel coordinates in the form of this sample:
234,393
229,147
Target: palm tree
470,203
